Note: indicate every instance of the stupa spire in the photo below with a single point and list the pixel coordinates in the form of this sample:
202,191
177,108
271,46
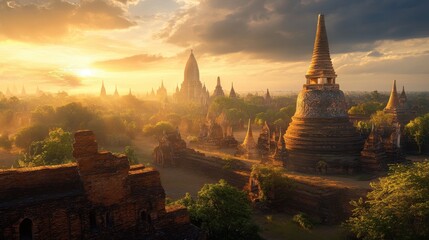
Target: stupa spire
103,90
393,99
249,142
218,81
321,64
232,93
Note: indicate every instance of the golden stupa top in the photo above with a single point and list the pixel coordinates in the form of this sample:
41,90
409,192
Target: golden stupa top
393,99
249,142
321,64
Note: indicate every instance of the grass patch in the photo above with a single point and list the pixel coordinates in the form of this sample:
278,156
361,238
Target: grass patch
281,226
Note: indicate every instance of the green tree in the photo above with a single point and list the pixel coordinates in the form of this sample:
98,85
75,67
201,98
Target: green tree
418,129
26,136
222,211
397,207
157,129
5,142
382,119
131,155
57,148
275,188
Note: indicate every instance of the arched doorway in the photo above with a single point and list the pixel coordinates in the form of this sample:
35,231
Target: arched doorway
26,230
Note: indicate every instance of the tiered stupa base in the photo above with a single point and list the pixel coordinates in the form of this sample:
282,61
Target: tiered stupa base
314,142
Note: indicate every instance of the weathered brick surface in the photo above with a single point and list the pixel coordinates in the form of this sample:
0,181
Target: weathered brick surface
99,197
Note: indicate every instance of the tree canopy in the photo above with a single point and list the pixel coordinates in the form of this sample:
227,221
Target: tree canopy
222,211
57,148
418,129
397,207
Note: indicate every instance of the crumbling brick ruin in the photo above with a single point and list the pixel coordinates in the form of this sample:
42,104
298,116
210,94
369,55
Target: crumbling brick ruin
99,197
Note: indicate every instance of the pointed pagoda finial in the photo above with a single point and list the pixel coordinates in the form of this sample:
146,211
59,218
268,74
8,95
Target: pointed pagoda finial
393,99
321,64
249,129
232,93
103,89
403,96
218,81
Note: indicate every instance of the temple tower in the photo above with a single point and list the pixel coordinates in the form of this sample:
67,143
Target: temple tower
398,107
249,147
320,131
103,90
267,97
232,93
218,92
191,88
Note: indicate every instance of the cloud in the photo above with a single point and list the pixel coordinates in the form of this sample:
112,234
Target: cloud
375,53
52,20
132,63
408,65
60,78
285,29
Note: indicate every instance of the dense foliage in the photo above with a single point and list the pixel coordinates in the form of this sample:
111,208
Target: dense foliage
222,211
275,187
397,207
366,108
57,148
418,129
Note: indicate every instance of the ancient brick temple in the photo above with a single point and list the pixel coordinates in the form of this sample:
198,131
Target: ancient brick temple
99,197
320,131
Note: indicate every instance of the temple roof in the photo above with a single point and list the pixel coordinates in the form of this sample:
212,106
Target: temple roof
321,64
393,99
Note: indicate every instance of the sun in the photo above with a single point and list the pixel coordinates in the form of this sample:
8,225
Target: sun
85,72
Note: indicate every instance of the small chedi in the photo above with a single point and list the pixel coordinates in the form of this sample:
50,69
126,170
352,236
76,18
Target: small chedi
280,153
398,107
99,197
320,131
266,142
249,147
170,149
374,158
218,92
217,132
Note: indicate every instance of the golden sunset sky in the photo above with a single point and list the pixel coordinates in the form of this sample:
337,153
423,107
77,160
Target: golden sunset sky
72,45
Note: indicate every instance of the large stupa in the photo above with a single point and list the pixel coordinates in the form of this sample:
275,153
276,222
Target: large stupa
320,132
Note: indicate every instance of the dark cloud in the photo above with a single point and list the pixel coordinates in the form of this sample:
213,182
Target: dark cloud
284,29
132,63
45,21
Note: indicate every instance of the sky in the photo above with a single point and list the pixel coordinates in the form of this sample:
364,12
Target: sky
74,45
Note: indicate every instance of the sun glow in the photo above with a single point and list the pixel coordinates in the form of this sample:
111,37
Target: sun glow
85,72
